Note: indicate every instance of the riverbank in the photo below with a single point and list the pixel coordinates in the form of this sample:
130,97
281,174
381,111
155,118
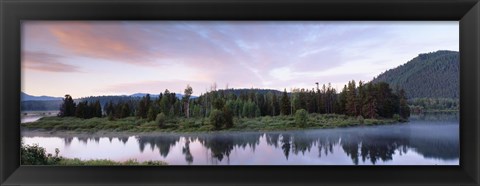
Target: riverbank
132,124
78,162
439,111
35,155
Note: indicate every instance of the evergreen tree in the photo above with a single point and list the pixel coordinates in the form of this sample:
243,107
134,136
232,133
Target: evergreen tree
342,101
351,98
228,116
125,111
98,109
360,98
385,100
68,107
151,115
369,103
275,110
143,106
404,109
165,104
285,103
80,110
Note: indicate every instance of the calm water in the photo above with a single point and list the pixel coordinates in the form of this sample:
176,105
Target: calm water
425,140
30,116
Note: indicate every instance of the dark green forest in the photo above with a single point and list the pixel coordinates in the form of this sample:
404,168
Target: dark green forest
430,75
221,106
421,105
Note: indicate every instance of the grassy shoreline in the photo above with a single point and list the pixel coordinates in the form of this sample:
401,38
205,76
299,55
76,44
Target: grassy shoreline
265,123
105,162
441,111
35,155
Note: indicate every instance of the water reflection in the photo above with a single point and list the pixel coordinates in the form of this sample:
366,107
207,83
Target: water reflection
418,142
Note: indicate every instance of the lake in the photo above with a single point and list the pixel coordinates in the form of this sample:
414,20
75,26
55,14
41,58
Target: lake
31,116
431,139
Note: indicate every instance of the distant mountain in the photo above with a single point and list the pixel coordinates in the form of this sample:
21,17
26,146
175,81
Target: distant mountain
27,97
33,105
237,92
430,75
52,103
179,96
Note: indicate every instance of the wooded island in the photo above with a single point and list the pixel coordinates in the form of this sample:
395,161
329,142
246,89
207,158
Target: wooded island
237,109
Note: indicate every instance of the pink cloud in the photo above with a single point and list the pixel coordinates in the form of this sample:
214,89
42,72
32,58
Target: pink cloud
41,61
104,40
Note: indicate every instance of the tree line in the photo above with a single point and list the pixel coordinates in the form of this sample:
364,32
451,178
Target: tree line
370,100
83,109
419,105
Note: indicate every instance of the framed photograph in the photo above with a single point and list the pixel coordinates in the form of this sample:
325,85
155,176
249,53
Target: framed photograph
239,92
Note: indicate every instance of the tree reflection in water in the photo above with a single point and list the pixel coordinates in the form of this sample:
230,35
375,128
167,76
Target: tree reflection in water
369,144
363,145
187,153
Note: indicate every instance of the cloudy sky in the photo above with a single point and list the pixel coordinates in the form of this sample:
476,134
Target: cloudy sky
125,57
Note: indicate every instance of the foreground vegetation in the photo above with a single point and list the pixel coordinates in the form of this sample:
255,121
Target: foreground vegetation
35,155
300,120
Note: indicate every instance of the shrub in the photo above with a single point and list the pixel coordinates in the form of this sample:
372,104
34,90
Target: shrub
217,119
397,117
301,117
139,122
35,155
160,120
110,117
360,119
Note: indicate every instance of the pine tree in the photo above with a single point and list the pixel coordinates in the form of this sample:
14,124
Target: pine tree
385,100
68,107
80,110
143,107
404,110
125,111
285,103
165,104
274,105
360,99
98,109
342,101
351,98
151,115
369,103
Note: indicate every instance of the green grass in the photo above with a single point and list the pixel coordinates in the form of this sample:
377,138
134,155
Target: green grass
35,155
441,111
78,162
178,124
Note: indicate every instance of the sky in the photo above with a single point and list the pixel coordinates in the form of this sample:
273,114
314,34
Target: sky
92,58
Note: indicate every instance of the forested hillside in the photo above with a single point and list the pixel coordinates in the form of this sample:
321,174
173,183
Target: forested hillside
430,75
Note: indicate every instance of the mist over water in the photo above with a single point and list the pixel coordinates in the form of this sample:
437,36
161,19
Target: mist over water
425,140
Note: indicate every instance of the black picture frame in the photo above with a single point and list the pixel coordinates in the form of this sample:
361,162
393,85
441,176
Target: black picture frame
12,12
